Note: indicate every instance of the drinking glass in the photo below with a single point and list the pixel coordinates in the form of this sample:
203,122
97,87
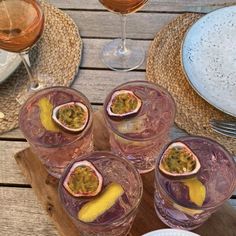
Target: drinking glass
118,219
53,145
123,54
140,137
21,25
183,202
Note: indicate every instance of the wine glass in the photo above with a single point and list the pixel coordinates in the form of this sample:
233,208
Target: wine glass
21,25
123,54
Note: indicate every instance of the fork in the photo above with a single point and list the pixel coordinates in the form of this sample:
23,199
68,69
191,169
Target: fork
227,128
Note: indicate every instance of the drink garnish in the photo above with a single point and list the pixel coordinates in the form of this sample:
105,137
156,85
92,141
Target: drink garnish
123,103
83,180
179,161
188,211
90,211
197,191
72,116
46,109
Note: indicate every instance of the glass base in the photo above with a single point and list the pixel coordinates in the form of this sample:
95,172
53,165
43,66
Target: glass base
44,81
116,59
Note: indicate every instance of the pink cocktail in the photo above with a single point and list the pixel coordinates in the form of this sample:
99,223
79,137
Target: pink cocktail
118,217
54,145
188,201
141,136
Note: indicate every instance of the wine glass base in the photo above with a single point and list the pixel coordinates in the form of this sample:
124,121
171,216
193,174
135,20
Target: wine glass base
117,60
43,81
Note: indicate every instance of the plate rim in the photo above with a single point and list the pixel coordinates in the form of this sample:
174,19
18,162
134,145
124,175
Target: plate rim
10,67
188,233
183,66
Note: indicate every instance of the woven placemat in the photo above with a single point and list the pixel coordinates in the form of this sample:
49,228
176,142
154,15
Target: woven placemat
56,56
164,68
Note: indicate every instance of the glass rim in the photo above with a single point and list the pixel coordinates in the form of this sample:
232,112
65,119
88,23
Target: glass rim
107,118
101,154
233,186
80,135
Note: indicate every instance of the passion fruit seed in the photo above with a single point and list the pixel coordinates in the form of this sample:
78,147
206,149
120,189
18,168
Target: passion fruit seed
83,180
46,109
123,103
179,160
71,116
92,210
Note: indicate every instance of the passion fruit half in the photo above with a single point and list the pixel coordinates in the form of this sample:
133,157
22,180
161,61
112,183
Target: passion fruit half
178,160
123,103
72,116
83,180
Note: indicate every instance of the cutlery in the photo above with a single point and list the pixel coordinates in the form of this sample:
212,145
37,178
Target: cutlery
227,128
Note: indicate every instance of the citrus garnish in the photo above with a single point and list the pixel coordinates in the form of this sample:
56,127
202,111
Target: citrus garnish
179,161
46,109
197,191
188,211
83,179
72,116
123,103
92,210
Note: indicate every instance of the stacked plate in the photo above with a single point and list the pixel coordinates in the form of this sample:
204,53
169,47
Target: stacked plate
8,64
209,58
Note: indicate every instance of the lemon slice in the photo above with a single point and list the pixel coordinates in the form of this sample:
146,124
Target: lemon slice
186,210
93,209
197,191
46,109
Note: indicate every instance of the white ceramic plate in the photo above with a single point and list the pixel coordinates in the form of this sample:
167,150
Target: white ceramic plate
171,232
209,58
8,64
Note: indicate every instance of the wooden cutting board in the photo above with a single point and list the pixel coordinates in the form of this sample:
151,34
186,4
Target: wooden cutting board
222,223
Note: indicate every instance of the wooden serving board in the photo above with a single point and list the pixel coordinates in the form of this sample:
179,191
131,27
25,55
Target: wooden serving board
223,222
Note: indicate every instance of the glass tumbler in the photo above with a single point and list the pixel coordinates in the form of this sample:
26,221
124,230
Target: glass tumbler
52,144
186,203
116,220
141,136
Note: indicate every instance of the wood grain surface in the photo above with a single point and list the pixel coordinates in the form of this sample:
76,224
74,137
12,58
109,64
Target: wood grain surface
45,188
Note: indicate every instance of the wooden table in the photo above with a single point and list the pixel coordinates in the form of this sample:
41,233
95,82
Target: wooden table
21,215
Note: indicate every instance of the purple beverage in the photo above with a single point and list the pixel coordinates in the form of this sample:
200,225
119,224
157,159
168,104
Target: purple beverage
194,177
57,122
101,193
139,116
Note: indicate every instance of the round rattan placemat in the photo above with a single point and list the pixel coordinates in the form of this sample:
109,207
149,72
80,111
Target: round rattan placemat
56,56
164,68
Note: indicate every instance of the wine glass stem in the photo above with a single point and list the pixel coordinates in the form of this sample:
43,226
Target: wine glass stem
25,58
122,48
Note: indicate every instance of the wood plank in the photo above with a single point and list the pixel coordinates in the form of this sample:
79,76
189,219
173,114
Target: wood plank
107,25
152,5
96,84
9,171
92,50
21,214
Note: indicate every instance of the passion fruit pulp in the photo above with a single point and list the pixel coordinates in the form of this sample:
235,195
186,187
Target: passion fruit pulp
123,103
83,180
72,116
178,160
